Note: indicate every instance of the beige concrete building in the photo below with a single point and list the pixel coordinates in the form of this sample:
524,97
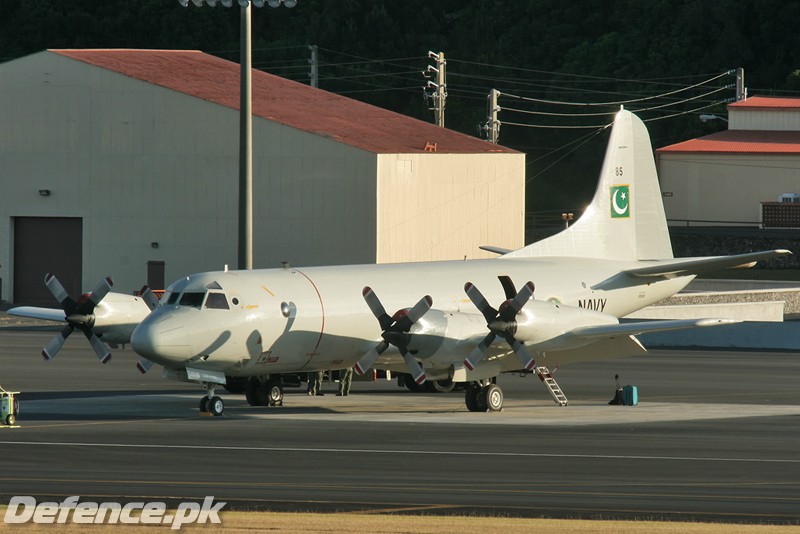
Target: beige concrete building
738,176
125,163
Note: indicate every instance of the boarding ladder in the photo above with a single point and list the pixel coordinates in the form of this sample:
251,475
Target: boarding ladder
546,377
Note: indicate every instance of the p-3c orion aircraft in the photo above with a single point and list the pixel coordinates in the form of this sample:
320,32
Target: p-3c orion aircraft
553,302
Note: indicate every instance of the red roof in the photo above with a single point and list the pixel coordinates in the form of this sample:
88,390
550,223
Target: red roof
286,102
740,142
768,102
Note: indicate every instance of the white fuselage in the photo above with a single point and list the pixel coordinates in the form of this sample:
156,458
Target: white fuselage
302,319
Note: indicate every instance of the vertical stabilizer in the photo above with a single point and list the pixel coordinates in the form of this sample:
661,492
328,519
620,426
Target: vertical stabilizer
626,217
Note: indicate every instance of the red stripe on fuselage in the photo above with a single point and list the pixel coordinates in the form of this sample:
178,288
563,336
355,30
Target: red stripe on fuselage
322,307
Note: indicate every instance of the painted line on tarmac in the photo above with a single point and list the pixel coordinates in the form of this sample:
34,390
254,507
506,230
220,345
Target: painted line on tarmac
401,451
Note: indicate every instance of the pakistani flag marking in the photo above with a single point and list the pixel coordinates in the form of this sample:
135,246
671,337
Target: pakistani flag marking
620,201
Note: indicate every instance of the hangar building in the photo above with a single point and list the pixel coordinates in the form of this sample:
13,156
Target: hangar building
125,163
747,175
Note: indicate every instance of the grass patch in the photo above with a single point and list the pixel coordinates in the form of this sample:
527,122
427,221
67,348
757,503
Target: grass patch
358,523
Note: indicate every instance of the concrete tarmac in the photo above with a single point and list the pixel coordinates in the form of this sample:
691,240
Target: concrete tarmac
715,438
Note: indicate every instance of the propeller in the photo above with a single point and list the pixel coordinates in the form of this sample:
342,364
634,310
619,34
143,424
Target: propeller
501,322
151,300
394,331
78,315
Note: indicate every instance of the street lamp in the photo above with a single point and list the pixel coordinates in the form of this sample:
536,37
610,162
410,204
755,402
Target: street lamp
706,117
245,123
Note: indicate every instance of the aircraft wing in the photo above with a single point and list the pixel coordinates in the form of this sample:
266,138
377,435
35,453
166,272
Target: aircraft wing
32,312
678,267
584,335
644,327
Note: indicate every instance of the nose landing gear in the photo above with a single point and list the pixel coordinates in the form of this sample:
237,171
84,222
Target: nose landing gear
211,403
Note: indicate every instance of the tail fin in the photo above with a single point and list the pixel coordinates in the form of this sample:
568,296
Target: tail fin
626,217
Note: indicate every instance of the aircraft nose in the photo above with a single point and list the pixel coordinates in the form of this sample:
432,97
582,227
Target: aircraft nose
161,341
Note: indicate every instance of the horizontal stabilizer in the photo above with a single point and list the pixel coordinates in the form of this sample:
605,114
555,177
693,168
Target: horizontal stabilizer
675,268
495,250
32,312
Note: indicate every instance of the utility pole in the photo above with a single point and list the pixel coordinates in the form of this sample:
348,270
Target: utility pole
741,90
436,91
245,144
314,62
492,126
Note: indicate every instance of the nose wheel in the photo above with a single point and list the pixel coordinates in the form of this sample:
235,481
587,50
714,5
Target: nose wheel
212,403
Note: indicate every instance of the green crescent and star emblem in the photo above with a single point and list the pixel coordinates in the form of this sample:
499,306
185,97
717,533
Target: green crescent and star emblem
620,201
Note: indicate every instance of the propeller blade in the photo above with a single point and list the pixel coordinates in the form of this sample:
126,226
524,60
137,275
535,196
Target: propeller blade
508,286
377,308
528,362
480,302
144,365
52,348
100,348
479,352
518,302
97,294
407,319
369,358
60,294
149,298
416,369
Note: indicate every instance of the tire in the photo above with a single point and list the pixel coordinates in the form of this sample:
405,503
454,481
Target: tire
10,419
204,407
16,408
494,397
251,392
480,400
274,392
440,386
471,397
216,406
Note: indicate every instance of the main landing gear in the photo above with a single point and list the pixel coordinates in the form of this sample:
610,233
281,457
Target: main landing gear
267,392
484,396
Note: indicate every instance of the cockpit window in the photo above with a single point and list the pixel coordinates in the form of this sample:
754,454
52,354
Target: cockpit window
192,299
217,301
213,285
173,298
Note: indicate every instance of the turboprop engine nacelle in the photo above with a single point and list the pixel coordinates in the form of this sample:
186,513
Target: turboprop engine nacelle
541,321
444,332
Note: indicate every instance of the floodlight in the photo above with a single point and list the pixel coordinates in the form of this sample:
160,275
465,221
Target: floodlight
274,3
258,3
198,3
227,3
290,3
184,3
244,3
212,3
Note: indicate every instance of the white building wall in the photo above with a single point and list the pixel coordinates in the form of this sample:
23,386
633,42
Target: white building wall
766,119
723,188
444,206
143,164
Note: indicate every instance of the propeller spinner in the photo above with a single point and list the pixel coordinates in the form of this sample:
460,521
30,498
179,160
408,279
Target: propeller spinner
395,331
78,315
501,322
